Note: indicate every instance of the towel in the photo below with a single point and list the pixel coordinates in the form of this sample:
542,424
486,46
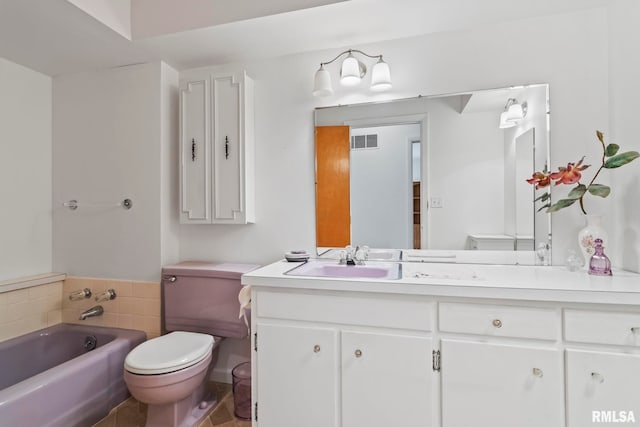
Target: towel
244,298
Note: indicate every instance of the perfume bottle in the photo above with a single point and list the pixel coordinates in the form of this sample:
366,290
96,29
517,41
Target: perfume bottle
599,264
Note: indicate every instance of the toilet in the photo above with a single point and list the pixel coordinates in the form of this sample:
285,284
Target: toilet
170,373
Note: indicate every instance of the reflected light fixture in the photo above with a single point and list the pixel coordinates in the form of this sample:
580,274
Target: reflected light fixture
351,73
513,113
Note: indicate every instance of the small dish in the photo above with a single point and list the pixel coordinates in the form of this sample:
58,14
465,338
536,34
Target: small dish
296,256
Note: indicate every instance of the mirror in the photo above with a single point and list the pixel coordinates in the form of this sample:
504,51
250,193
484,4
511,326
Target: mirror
433,172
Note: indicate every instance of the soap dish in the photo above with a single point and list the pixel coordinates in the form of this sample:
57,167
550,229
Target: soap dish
296,256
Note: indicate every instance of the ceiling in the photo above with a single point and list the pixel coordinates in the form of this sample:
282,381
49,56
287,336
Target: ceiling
55,37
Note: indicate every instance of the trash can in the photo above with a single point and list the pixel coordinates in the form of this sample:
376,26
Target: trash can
242,390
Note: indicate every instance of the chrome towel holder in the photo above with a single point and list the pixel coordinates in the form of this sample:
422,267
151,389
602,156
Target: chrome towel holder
74,204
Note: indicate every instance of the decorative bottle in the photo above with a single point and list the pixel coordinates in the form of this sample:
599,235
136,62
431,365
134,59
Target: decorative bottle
599,264
588,235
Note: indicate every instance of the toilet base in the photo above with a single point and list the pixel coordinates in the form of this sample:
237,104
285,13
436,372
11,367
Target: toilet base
188,412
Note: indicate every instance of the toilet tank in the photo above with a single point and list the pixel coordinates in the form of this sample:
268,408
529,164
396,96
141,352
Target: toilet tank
203,297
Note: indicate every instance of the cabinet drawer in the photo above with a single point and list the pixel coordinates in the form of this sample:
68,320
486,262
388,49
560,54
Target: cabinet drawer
378,311
600,327
498,320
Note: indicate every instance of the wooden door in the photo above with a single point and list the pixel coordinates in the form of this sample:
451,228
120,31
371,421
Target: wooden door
333,217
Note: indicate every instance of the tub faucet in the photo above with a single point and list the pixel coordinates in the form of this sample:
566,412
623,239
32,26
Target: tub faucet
92,312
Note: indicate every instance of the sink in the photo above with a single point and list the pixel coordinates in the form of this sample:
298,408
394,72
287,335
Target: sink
378,270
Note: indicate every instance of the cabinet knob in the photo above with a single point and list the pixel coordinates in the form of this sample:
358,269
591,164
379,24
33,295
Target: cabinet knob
358,353
597,377
497,323
316,348
538,372
635,329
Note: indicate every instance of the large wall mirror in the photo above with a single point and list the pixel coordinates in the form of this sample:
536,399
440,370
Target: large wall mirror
433,172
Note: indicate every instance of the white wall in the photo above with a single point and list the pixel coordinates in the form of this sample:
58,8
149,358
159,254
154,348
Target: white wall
381,188
108,146
25,171
624,69
528,51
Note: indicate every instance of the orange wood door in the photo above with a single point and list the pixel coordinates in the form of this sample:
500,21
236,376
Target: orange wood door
333,217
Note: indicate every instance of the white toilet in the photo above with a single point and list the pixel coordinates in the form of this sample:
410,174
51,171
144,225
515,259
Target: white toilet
171,372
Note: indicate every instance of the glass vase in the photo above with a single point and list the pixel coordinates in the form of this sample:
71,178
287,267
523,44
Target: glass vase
587,237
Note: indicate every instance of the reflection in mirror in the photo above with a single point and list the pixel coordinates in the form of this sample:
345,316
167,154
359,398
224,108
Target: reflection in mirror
436,172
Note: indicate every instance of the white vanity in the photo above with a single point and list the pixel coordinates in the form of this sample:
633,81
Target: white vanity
446,345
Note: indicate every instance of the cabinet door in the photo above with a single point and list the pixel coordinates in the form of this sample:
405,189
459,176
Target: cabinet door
195,156
228,150
500,385
386,380
602,387
298,371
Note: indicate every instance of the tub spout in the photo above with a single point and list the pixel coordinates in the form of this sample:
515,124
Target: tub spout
92,312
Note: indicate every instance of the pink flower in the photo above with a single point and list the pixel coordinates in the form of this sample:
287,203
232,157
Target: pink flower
540,179
569,175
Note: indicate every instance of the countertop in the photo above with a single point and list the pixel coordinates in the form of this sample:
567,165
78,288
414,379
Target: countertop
512,282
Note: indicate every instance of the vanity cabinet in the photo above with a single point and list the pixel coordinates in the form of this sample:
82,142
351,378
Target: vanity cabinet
497,369
457,351
326,369
602,366
217,150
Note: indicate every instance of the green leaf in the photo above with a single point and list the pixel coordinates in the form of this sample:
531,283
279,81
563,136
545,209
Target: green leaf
599,190
621,159
600,136
543,198
611,150
560,204
577,192
544,207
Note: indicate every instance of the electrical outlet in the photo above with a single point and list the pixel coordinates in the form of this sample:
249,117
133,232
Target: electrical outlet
436,202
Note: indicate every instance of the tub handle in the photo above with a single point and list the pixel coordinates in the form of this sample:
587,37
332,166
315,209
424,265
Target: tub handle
107,295
80,294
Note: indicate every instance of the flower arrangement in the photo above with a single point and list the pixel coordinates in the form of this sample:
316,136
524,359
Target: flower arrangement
572,174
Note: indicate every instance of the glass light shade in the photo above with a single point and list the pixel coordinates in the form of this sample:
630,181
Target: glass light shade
504,124
515,112
350,71
322,83
380,76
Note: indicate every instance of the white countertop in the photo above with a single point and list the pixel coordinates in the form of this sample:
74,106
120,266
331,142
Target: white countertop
541,283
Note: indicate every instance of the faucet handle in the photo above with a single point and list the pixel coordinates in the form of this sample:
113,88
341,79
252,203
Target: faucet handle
107,295
80,294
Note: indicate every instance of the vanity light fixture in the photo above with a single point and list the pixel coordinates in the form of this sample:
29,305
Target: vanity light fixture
513,113
351,73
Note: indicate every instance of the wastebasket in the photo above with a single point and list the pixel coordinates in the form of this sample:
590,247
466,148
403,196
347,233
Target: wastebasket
242,390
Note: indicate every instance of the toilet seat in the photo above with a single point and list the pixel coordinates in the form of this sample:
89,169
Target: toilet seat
169,353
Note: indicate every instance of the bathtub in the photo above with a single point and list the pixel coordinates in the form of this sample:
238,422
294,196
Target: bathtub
48,378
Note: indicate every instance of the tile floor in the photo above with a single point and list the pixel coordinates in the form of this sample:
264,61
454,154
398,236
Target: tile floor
132,413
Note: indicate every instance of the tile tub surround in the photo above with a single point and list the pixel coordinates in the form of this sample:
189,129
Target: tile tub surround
136,306
132,413
29,309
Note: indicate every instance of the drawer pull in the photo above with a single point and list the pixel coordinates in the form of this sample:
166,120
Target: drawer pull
538,372
635,329
358,353
316,348
597,377
497,323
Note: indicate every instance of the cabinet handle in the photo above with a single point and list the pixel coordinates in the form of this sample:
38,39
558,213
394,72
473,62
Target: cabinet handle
358,353
635,329
226,147
597,377
193,149
316,348
497,323
538,372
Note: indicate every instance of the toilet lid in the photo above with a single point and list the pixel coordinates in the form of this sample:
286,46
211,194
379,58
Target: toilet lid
168,353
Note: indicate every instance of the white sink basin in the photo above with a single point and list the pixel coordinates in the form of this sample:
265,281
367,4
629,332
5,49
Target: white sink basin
378,270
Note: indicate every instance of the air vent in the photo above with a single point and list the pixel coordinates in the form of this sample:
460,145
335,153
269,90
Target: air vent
359,142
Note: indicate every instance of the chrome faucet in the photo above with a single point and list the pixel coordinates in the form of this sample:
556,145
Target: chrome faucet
92,312
351,256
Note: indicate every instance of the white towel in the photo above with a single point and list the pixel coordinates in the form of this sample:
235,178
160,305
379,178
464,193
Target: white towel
244,298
